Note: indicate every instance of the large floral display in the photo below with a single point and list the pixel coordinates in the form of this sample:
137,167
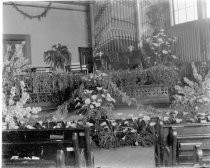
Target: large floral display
92,102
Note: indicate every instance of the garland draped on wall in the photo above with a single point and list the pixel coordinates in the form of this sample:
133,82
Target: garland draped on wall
43,14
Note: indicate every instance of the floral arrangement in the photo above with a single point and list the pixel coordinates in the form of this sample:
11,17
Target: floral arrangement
13,65
94,101
15,115
176,117
161,47
119,132
195,94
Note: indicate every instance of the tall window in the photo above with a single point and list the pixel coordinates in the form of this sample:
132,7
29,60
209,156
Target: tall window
184,11
208,8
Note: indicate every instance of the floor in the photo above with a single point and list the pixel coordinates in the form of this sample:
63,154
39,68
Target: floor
124,157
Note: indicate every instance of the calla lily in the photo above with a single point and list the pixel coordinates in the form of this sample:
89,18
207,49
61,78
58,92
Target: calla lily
152,124
99,88
87,101
94,97
103,124
91,106
165,118
146,118
178,120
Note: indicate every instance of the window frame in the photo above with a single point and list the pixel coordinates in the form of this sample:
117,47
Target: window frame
172,13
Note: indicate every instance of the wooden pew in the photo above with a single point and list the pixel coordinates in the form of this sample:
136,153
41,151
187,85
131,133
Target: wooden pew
174,144
60,147
183,138
201,156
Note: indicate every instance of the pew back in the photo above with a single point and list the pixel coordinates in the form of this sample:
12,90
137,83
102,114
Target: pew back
48,144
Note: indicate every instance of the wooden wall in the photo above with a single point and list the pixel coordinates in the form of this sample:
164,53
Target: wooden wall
193,40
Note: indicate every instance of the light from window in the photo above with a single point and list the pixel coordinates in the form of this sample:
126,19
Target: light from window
184,11
208,8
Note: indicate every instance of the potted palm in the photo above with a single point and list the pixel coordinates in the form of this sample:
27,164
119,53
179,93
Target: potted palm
58,57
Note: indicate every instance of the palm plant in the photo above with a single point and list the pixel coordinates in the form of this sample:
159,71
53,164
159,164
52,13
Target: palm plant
58,57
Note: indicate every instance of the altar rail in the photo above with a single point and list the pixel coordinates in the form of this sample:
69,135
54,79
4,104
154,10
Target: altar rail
145,94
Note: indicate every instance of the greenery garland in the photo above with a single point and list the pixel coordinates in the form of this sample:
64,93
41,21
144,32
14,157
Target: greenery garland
43,14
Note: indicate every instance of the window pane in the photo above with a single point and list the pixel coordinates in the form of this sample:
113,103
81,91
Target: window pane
208,8
175,4
190,14
181,4
176,15
190,3
196,12
182,16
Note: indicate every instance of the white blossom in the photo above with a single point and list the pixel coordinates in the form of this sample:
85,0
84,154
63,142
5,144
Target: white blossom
87,101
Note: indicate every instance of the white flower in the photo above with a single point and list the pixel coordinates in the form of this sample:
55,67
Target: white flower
103,95
104,74
133,131
109,98
203,121
14,157
87,101
140,115
146,118
30,127
103,124
78,104
98,104
11,102
35,158
91,106
99,100
22,84
165,52
165,118
74,125
88,91
152,124
89,124
134,118
160,40
94,97
168,113
114,123
178,120
174,56
99,88
185,113
196,108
